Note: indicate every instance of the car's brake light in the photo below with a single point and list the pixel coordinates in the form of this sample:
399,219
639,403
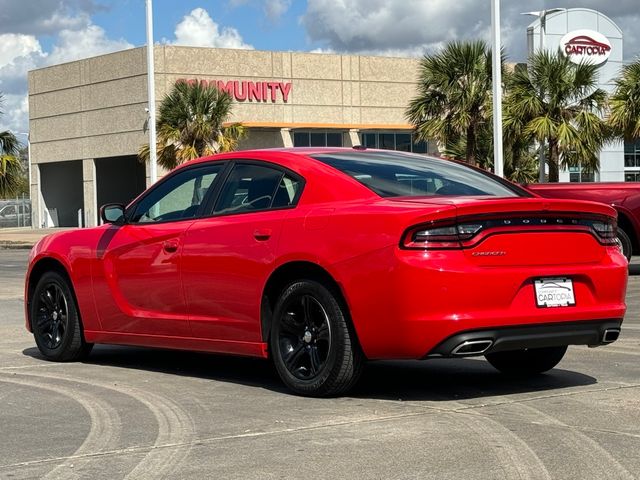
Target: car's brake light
433,236
606,231
469,231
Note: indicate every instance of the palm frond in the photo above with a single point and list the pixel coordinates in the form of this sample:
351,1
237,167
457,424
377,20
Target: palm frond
191,122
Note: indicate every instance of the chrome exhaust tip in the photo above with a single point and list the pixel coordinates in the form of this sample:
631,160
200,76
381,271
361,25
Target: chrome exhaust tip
610,335
472,347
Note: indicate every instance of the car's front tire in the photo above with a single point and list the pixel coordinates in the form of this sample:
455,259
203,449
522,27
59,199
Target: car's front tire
314,350
55,320
527,362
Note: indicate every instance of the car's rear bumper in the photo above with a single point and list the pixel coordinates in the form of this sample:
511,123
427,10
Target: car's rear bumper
483,341
424,298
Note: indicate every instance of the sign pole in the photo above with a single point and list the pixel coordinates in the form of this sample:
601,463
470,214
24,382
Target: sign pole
498,160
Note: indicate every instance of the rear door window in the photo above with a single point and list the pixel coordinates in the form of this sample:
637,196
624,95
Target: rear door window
250,187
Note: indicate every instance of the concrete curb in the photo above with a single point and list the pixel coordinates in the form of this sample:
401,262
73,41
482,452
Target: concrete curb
7,245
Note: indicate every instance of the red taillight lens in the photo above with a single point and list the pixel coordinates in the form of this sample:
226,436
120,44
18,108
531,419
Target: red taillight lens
440,236
468,231
606,231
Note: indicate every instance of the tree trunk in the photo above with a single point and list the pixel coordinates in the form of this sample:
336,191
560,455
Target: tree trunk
554,160
471,145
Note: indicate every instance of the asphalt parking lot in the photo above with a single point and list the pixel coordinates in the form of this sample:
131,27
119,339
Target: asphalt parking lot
139,413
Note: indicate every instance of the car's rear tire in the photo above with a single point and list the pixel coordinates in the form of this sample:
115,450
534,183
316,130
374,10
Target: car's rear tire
625,243
527,362
313,348
55,320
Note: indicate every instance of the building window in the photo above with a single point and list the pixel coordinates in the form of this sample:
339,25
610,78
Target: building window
632,154
632,176
405,142
578,174
317,139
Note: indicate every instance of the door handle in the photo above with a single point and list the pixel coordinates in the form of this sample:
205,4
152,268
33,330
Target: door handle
262,234
170,246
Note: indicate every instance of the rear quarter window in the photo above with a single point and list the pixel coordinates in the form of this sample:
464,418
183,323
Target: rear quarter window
396,174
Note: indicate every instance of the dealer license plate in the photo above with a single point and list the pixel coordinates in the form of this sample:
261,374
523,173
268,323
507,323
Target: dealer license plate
554,292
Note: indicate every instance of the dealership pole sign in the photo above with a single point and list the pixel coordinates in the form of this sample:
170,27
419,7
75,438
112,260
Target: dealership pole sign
586,46
247,91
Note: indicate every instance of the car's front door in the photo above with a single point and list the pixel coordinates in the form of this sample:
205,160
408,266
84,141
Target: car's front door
228,256
137,287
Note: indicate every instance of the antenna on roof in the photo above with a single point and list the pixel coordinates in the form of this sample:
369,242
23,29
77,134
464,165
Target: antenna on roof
359,147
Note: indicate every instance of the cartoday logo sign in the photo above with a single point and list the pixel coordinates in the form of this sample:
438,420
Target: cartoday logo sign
586,46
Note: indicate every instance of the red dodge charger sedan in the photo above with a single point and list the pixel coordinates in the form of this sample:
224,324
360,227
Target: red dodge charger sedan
323,258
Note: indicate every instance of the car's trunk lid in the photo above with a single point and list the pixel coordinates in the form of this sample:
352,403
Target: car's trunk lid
527,231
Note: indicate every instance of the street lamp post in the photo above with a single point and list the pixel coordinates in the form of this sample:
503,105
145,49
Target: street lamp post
542,15
151,93
498,161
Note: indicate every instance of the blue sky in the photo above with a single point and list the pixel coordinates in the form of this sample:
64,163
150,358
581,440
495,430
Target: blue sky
37,33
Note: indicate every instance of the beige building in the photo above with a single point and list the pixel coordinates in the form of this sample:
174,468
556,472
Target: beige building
87,118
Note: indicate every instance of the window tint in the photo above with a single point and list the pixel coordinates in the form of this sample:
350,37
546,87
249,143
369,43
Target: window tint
393,174
287,192
177,198
249,188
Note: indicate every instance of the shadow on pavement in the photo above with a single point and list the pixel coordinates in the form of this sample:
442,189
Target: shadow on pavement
455,379
634,269
432,380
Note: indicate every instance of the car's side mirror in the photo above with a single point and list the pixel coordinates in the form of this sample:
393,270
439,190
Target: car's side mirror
113,213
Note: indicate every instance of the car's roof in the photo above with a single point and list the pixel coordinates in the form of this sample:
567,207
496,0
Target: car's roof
260,152
299,152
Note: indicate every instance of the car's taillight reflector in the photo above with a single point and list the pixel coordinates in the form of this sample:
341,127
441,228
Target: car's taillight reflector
467,232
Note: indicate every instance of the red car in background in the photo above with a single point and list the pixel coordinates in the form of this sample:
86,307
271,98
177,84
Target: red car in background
323,258
623,196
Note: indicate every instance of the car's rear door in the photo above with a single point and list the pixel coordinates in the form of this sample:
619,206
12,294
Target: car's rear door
137,282
228,256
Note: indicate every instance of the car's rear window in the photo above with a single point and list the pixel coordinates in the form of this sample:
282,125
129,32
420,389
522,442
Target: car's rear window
396,174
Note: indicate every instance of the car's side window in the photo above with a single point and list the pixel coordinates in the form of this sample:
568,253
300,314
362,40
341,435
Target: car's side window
252,187
178,198
287,192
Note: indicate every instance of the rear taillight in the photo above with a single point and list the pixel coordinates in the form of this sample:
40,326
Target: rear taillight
606,231
467,232
439,236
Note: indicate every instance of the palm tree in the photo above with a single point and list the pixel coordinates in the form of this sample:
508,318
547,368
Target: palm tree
625,103
557,102
11,174
454,96
191,125
520,164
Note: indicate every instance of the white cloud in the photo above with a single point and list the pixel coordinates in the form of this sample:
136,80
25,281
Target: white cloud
197,29
379,26
13,46
15,108
20,53
274,9
45,17
87,42
414,27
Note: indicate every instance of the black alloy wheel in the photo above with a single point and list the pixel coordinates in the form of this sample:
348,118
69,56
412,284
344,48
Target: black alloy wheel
305,337
55,321
312,346
52,315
